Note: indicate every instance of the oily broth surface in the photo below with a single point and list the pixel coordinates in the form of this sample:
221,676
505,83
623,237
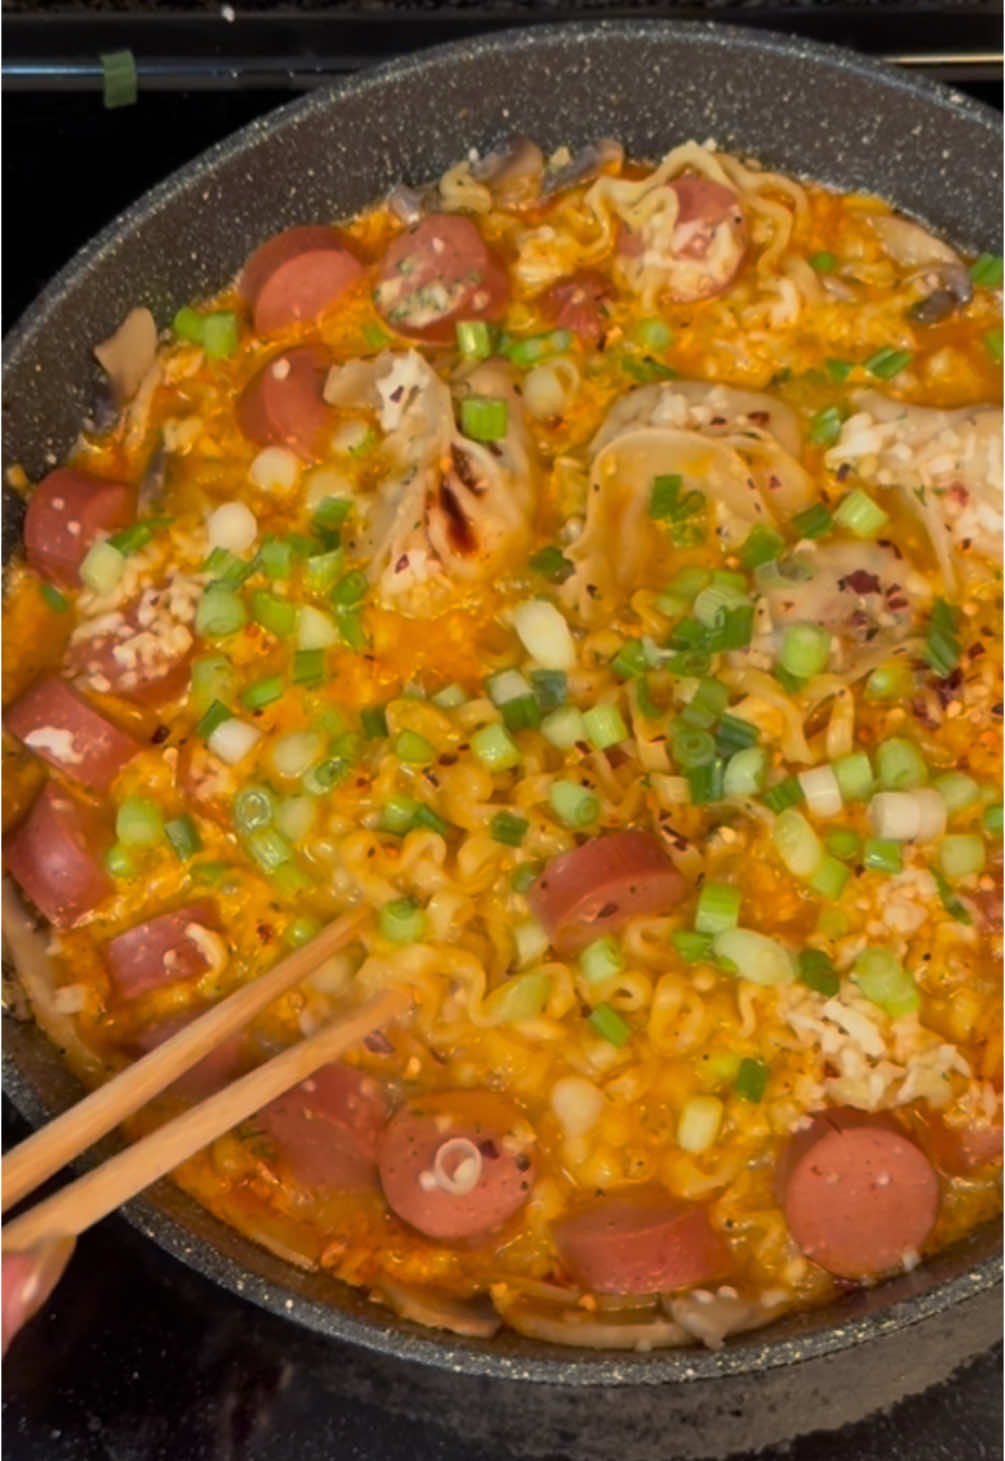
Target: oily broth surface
680,1016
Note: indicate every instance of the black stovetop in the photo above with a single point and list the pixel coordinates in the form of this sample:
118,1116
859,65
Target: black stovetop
136,1358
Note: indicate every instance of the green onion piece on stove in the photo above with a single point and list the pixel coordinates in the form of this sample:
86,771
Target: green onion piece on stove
183,835
817,972
432,821
120,85
523,875
397,815
331,513
138,535
891,680
474,339
302,929
885,982
275,557
484,418
213,678
102,567
573,804
402,921
958,791
138,822
949,900
508,829
752,1080
610,1026
268,848
323,570
860,515
718,908
521,713
450,697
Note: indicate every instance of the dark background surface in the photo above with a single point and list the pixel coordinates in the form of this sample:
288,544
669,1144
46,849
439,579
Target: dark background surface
136,1358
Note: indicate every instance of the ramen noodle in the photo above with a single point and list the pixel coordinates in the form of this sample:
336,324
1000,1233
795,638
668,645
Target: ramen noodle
593,570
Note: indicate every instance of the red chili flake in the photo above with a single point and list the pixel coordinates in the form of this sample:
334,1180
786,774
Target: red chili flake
860,582
266,933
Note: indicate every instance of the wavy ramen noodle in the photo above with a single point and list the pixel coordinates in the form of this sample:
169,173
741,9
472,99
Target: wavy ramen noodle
593,570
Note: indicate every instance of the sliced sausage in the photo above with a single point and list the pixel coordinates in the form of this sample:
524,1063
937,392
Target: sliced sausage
640,1241
283,405
957,1150
209,1074
173,946
596,888
457,1164
438,273
296,275
705,249
141,653
859,1195
328,1128
58,724
55,857
577,304
66,512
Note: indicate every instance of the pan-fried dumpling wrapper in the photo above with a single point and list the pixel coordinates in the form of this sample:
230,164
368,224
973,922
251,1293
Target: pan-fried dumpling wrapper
946,466
699,405
740,467
451,512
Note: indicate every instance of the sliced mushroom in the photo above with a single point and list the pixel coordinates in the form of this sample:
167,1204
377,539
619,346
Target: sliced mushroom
512,172
941,270
474,1317
711,1316
406,204
636,1329
128,355
590,161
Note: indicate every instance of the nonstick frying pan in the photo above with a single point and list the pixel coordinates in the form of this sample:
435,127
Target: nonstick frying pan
797,106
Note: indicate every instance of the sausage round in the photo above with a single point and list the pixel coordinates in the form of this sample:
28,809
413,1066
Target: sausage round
327,1129
438,273
296,275
66,512
859,1195
55,857
173,946
640,1241
707,246
142,655
57,724
283,404
957,1150
576,304
209,1074
408,1156
596,888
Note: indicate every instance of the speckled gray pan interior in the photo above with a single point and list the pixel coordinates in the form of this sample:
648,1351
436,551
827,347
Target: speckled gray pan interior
804,108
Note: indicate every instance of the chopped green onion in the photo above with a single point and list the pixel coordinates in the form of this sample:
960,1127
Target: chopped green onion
209,872
755,957
254,806
694,948
213,678
450,697
102,567
706,704
699,1123
268,848
734,734
119,862
432,821
331,513
830,878
687,583
289,880
183,835
887,363
402,921
138,535
521,713
138,822
295,817
227,570
843,843
508,829
817,972
373,719
993,821
714,602
601,960
350,590
551,688
678,510
783,794
214,717
734,630
860,515
994,344
854,776
53,597
309,667
474,339
187,325
796,843
718,908
484,418
691,746
885,982
957,791
825,426
884,855
351,630
813,522
745,772
890,681
409,746
900,766
986,271
762,545
322,570
949,900
646,369
398,815
805,650
529,351
574,804
630,660
610,1026
705,782
275,557
552,564
376,336
273,613
120,85
824,262
302,929
521,998
604,726
564,727
523,875
220,334
220,613
961,855
652,334
752,1079
495,749
942,648
838,370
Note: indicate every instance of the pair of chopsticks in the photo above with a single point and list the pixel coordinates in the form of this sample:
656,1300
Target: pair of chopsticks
74,1208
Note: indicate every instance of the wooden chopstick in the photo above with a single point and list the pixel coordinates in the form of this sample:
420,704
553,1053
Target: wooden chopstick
100,1112
73,1209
